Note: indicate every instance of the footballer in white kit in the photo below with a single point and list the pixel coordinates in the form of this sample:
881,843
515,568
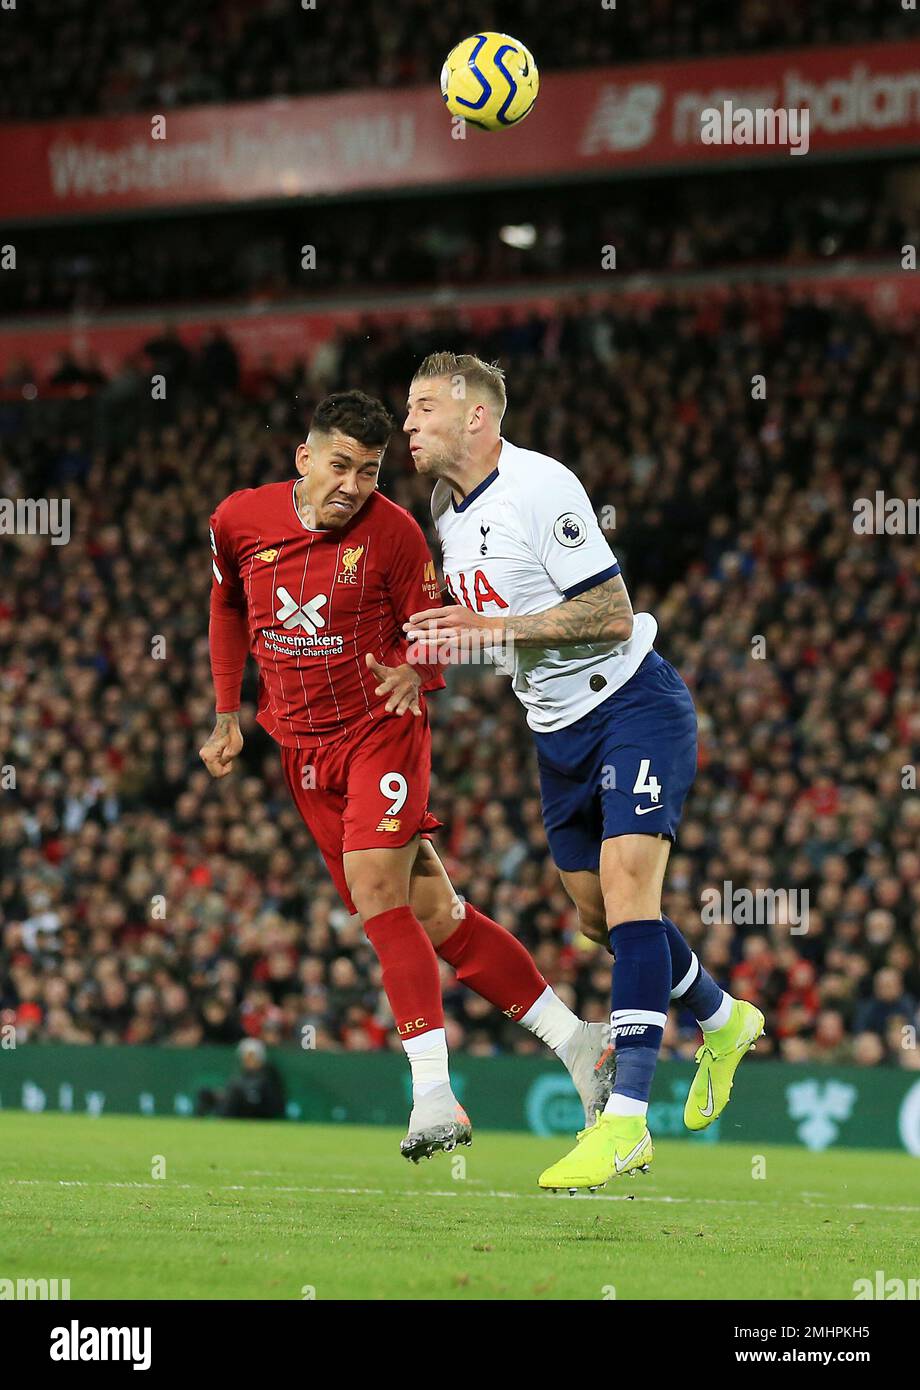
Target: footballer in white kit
614,725
523,540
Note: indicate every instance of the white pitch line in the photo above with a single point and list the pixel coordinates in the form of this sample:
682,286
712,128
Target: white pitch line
467,1191
600,1197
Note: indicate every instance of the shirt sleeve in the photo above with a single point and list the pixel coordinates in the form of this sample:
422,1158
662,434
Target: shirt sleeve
228,629
567,538
413,587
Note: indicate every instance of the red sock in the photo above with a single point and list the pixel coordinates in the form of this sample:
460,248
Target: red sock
493,963
411,977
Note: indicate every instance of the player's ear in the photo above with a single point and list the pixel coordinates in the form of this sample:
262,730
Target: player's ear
302,459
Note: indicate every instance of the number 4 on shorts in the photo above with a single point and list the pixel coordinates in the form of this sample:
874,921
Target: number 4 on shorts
646,784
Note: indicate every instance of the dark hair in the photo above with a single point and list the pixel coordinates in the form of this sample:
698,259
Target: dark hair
359,416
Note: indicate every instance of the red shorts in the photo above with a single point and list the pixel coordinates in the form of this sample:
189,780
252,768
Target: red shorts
368,790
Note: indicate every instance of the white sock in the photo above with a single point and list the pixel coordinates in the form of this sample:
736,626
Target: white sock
551,1020
625,1105
428,1059
721,1016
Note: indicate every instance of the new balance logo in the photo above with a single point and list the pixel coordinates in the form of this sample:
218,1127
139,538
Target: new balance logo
307,615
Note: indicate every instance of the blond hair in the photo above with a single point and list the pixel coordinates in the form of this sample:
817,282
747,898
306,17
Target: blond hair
482,378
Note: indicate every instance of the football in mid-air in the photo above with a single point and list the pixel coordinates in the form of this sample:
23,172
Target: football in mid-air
491,80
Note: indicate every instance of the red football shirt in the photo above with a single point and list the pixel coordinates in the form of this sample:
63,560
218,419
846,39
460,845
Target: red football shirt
309,605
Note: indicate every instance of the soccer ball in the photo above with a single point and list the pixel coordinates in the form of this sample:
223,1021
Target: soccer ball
491,80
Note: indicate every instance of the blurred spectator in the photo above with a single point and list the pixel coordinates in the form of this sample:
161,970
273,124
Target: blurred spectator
56,62
889,1003
142,903
718,220
257,1093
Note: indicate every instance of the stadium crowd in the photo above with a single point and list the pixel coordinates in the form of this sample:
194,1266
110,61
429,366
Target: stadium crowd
141,902
63,58
741,219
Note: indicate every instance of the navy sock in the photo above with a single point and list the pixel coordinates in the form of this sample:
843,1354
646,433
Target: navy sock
692,987
635,1072
639,1003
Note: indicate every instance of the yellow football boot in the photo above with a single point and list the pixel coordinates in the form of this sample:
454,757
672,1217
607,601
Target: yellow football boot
718,1060
614,1146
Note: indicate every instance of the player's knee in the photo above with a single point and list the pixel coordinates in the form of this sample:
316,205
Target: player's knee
375,893
593,926
631,897
632,912
630,904
437,924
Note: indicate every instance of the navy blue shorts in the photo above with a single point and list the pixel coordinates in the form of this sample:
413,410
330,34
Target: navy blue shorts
624,769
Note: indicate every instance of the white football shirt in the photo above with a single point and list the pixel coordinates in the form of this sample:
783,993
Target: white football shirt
524,540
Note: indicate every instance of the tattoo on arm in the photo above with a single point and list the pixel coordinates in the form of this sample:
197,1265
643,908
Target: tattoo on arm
602,614
223,723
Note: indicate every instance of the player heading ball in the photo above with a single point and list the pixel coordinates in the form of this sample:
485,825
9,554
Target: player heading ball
614,725
316,578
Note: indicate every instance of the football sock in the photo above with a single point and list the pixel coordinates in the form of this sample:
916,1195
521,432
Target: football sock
693,985
552,1021
638,1012
412,983
493,963
428,1060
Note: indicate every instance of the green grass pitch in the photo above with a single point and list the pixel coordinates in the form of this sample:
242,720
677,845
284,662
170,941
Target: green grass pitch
273,1211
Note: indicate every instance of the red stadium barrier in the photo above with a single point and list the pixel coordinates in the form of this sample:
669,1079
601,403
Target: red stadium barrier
860,97
291,333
